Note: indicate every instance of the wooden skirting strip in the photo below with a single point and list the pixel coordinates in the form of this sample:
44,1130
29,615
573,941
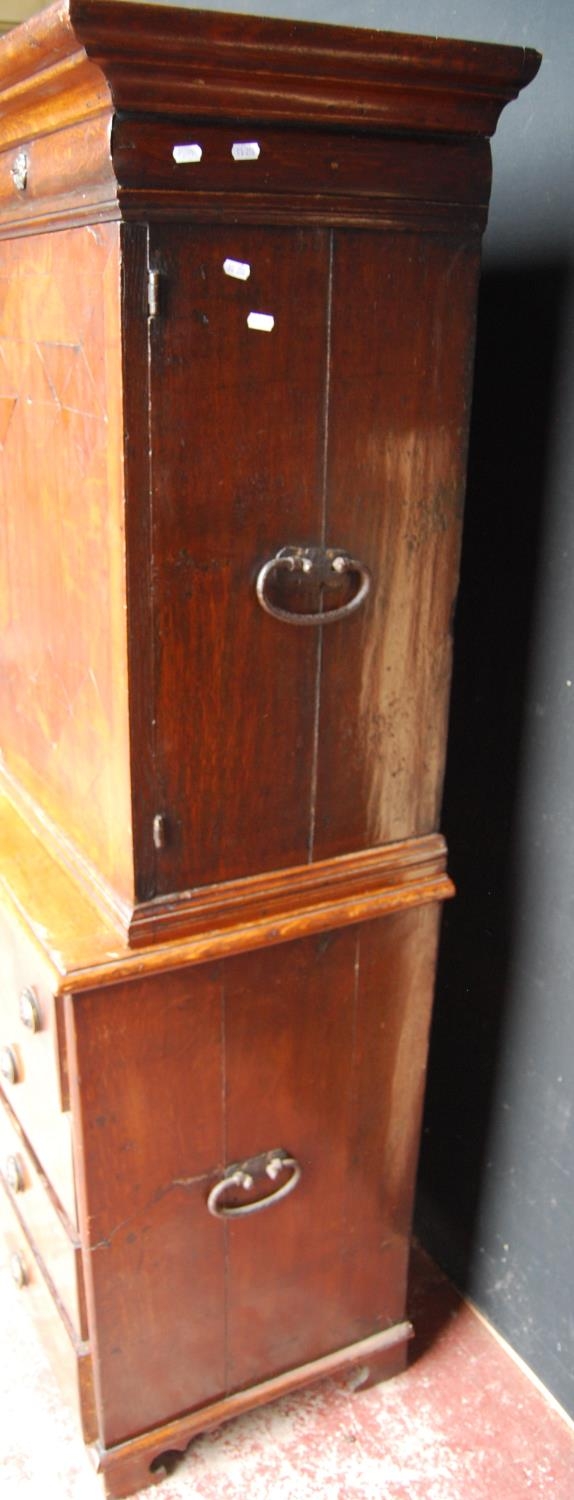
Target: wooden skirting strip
127,1466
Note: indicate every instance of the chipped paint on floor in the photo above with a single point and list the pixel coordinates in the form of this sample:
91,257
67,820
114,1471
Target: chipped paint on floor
463,1423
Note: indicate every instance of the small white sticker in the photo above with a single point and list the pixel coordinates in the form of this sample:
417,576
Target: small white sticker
264,322
237,268
187,153
245,150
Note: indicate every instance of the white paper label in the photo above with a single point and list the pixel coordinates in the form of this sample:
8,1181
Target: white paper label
237,268
187,153
245,150
264,322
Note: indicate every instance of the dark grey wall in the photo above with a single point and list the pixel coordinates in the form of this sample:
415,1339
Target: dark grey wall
496,1200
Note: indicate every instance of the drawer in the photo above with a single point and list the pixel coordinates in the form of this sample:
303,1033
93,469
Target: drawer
247,161
30,1194
32,1056
71,1362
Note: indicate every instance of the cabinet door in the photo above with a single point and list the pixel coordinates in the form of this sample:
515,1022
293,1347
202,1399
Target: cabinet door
315,1049
237,472
325,1055
341,426
401,360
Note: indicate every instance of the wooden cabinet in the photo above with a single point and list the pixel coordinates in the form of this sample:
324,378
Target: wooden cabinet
238,270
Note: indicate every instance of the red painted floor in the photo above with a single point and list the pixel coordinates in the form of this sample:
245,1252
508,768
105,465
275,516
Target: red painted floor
463,1423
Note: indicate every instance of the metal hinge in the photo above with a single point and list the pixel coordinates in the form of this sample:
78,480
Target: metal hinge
153,290
160,831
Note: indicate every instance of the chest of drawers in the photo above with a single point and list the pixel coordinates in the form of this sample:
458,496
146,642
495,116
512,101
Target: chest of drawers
238,271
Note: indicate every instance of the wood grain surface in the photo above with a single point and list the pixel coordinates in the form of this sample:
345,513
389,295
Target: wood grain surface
78,945
68,62
399,406
319,1050
220,865
65,733
71,74
237,470
345,425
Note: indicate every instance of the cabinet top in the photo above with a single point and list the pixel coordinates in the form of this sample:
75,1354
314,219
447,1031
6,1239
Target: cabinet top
80,58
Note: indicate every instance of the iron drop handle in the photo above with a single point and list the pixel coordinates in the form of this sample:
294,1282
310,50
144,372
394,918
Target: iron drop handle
324,564
245,1174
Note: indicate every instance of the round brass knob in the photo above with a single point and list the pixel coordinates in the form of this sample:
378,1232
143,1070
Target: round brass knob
29,1009
18,1270
19,171
9,1065
15,1174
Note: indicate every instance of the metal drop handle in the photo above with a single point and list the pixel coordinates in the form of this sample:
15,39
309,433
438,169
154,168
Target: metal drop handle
245,1174
325,565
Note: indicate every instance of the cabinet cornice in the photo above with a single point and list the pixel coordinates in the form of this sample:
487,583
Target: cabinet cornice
246,67
93,66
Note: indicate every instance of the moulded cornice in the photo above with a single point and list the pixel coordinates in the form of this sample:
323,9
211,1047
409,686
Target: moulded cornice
82,57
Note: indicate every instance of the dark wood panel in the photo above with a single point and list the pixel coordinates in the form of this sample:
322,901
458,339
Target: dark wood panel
127,1467
309,898
401,365
301,210
318,1048
237,473
300,162
149,1123
290,1020
397,966
325,1057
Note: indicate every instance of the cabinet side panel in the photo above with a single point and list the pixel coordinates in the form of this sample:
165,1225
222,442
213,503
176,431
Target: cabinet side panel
402,341
396,961
62,589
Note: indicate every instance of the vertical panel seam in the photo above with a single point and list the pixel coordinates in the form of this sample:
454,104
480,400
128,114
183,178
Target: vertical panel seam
355,1018
347,1237
153,611
225,1227
325,458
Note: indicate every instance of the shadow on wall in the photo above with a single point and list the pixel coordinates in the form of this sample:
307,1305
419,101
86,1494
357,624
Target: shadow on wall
517,346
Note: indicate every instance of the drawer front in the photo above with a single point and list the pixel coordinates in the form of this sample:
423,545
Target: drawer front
59,1252
208,160
32,1057
71,1364
308,1059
